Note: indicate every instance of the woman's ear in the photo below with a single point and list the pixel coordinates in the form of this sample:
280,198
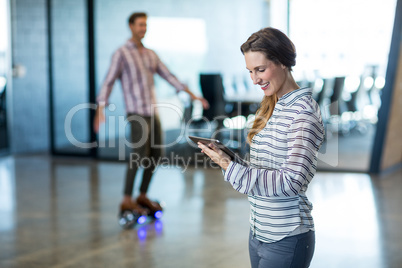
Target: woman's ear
283,67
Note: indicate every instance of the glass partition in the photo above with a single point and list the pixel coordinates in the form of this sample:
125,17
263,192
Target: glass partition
191,38
342,52
69,61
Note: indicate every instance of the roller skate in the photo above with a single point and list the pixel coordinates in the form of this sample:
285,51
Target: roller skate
132,214
155,209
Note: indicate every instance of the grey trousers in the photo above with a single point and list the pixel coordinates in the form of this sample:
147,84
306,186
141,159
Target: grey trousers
146,140
291,252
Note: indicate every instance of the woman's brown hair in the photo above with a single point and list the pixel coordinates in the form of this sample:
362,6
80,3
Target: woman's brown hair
277,47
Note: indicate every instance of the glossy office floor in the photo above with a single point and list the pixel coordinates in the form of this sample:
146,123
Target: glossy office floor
58,212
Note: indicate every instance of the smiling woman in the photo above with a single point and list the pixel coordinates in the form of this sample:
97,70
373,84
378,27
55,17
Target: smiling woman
270,56
272,77
285,138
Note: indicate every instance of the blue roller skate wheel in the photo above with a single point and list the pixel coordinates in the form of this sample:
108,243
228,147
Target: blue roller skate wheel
142,219
158,214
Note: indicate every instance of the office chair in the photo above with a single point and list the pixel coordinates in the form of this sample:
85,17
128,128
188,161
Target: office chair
212,90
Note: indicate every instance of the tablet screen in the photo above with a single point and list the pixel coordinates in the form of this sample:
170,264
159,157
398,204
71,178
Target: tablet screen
206,141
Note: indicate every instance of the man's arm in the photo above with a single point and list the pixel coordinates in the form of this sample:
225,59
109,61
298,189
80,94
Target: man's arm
164,72
113,74
204,102
99,118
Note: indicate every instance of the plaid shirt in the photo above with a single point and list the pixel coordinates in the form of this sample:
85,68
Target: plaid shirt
135,70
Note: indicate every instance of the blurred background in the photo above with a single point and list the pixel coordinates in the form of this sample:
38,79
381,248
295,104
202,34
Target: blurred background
54,56
60,183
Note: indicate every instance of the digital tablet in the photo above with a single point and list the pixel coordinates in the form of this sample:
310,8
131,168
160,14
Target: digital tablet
233,156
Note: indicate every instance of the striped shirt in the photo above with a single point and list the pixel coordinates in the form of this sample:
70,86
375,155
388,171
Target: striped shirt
136,71
283,158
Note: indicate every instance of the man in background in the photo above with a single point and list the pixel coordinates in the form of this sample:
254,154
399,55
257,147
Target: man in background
135,66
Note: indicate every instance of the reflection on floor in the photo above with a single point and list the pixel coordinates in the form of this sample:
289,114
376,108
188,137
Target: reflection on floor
58,212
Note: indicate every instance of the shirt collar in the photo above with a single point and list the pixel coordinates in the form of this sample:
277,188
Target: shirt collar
294,95
131,43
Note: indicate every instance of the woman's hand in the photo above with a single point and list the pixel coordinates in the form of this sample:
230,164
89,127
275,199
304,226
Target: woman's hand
216,154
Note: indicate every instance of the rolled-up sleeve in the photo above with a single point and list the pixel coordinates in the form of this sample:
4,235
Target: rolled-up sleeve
114,73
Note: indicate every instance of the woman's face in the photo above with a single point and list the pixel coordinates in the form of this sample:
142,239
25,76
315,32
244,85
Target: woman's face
270,76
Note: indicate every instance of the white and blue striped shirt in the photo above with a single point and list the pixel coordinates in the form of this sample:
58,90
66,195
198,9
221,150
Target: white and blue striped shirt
283,159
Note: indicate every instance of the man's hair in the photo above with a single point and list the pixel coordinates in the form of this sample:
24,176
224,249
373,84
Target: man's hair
134,16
